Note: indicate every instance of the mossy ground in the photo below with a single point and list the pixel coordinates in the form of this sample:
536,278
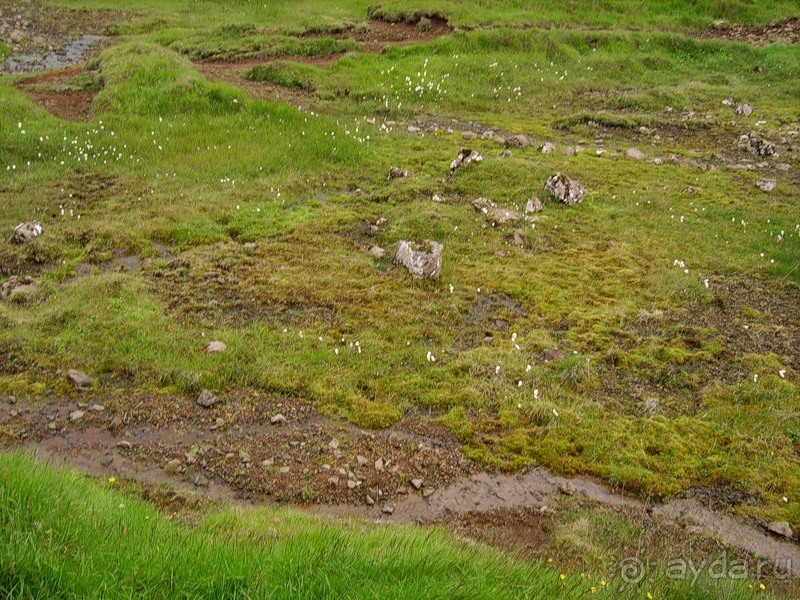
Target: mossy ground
672,290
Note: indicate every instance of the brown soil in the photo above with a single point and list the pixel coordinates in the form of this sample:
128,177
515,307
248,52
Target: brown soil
70,105
780,32
233,73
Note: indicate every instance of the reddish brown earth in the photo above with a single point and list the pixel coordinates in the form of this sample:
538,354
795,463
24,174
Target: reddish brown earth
68,104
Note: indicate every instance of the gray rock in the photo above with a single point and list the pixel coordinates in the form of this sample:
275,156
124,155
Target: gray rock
18,285
377,252
79,379
424,262
487,135
783,166
503,215
207,399
173,466
728,102
351,484
417,484
388,510
534,205
333,444
469,135
397,173
518,141
465,158
106,459
744,110
547,148
369,500
76,415
216,346
278,419
781,528
25,232
567,488
755,145
483,205
564,189
499,140
766,185
634,153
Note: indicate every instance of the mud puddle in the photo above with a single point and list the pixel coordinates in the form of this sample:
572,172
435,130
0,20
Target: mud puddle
74,51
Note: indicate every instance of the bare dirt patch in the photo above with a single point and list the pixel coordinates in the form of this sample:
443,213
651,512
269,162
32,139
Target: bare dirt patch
233,73
780,32
48,91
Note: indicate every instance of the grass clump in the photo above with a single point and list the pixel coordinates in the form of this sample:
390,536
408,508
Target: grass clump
284,74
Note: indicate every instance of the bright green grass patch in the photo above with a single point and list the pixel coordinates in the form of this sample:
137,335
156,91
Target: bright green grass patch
65,536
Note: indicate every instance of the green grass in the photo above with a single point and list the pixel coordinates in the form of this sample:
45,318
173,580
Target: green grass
171,159
65,536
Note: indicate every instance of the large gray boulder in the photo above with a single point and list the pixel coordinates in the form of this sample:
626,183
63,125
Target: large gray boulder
564,189
421,260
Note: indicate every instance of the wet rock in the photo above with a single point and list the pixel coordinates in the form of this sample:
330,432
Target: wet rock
781,528
534,205
547,148
26,232
564,189
216,346
76,415
207,399
18,285
425,261
503,215
465,158
552,354
755,145
278,419
744,110
518,141
397,173
469,135
766,185
79,379
377,252
634,153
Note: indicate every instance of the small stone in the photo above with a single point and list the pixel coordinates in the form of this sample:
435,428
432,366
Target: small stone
11,399
564,189
488,340
216,346
333,444
267,463
369,500
487,135
351,485
244,456
416,484
124,444
547,148
469,135
413,129
285,470
534,205
97,408
76,415
427,492
173,466
334,481
567,488
425,262
781,528
379,464
362,460
80,380
552,354
388,510
634,153
278,419
397,173
744,110
465,158
26,232
207,399
107,459
728,102
52,425
517,141
766,185
503,215
116,423
377,252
